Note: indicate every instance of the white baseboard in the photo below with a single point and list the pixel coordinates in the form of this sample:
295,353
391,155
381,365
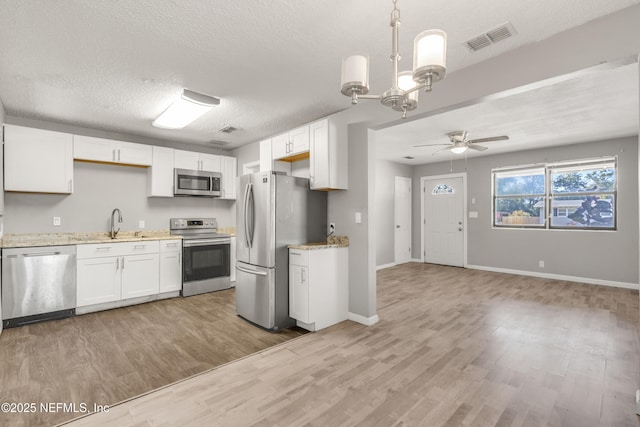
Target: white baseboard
383,266
367,321
416,260
587,280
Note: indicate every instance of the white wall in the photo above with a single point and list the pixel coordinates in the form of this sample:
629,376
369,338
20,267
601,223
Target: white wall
386,171
601,255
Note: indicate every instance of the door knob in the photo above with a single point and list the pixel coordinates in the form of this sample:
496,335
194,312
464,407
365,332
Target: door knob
397,226
459,228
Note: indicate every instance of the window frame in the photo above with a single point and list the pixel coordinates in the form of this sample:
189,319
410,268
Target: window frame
549,195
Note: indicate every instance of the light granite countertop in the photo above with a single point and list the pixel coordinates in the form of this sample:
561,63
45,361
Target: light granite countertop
332,242
59,239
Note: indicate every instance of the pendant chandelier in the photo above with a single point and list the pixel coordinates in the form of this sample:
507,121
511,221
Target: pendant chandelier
429,66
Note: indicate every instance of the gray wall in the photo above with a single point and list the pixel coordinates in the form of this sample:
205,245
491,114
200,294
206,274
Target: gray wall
386,172
99,188
602,255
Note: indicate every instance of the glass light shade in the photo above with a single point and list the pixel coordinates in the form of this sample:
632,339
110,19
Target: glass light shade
186,109
406,82
429,54
458,149
355,75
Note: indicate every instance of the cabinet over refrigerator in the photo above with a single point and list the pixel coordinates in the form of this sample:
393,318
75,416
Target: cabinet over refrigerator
274,211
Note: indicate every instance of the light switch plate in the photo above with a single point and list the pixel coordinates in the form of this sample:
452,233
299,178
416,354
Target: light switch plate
473,214
141,223
57,221
358,217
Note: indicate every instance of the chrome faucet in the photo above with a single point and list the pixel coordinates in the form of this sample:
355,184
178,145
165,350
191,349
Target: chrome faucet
113,232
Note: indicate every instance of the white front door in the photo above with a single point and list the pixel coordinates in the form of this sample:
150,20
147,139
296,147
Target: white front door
402,200
444,220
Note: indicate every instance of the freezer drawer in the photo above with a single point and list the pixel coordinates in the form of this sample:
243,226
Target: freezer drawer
255,294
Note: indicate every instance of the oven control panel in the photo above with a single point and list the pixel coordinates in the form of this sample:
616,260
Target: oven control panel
192,223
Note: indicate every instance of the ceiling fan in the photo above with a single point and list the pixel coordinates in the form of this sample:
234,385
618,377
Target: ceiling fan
460,143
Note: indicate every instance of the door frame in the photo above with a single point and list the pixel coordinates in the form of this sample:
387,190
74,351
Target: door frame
395,218
423,180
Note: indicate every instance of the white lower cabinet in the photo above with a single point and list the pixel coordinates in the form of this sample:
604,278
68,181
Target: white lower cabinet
116,271
232,261
318,286
170,265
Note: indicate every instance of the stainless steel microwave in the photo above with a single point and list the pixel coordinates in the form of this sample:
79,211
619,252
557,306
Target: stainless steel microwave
189,182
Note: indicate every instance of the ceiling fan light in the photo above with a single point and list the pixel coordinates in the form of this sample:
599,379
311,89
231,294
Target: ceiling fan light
355,75
190,106
430,55
458,149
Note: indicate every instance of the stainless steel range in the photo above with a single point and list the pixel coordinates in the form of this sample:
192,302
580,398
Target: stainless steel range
205,255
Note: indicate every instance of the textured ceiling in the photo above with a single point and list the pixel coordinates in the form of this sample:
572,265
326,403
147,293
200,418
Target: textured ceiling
115,65
589,105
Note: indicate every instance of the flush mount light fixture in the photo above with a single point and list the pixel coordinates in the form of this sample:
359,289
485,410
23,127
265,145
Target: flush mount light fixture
429,66
185,109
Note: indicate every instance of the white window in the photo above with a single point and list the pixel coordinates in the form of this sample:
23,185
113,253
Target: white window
579,194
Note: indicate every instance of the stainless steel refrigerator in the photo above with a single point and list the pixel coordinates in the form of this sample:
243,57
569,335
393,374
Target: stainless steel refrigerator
273,211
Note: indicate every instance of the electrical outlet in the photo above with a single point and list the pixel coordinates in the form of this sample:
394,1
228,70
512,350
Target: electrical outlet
57,221
141,223
541,264
358,217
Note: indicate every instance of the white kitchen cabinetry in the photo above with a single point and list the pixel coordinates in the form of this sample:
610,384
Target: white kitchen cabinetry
292,143
116,271
229,172
170,265
318,287
232,260
266,159
38,161
328,159
197,161
160,174
109,151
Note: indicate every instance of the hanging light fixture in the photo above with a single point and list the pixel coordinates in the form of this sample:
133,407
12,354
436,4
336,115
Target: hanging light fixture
185,109
429,66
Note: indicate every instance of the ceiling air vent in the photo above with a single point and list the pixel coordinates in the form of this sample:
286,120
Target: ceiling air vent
219,143
492,36
227,129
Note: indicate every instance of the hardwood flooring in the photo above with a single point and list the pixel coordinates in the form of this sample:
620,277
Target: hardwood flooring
453,347
106,357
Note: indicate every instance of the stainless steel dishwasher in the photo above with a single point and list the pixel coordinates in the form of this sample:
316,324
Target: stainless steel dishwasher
38,283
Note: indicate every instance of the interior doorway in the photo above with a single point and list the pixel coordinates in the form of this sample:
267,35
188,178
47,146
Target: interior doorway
402,224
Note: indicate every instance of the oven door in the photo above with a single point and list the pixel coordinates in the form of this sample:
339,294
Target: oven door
205,259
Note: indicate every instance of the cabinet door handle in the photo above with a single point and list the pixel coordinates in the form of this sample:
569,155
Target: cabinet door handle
139,246
122,263
302,276
118,154
117,264
113,154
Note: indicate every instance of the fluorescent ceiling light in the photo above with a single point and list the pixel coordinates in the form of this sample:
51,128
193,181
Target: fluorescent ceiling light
184,110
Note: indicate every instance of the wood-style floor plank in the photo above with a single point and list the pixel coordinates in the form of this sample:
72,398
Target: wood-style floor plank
453,347
106,357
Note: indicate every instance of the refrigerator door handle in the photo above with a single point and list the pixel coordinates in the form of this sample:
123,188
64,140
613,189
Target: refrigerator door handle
254,272
252,220
244,214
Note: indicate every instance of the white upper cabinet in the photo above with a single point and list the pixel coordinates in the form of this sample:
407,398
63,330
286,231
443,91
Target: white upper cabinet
37,160
229,172
109,151
197,161
160,174
328,159
292,143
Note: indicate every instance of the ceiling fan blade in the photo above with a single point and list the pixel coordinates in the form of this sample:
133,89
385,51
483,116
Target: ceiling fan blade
492,138
429,145
476,147
442,149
